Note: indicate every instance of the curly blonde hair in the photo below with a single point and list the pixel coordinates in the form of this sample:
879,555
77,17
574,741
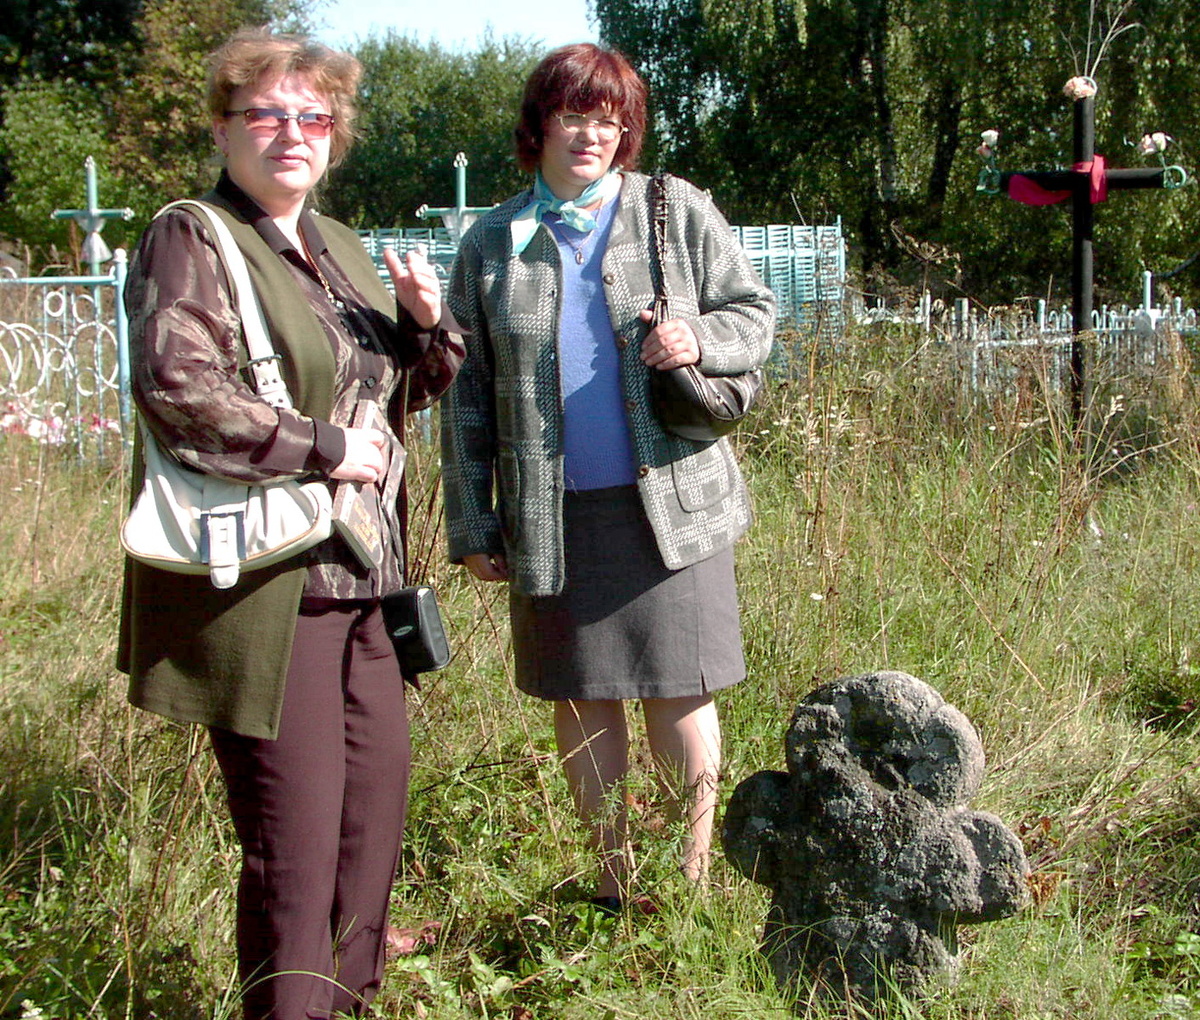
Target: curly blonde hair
258,56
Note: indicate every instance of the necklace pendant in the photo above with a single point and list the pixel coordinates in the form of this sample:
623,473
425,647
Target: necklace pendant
579,258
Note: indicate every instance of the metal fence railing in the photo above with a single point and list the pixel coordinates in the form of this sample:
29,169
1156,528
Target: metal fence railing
999,348
804,266
64,366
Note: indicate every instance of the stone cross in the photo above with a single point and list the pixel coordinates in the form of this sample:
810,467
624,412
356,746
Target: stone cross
1086,184
868,843
92,220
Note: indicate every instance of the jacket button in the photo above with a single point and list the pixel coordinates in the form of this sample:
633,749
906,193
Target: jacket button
622,341
369,382
643,470
630,405
609,278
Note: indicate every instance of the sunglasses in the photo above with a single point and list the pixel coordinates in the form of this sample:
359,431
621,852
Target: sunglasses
262,121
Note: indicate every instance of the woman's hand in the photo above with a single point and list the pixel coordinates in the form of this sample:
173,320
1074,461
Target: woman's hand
417,286
670,344
364,456
487,566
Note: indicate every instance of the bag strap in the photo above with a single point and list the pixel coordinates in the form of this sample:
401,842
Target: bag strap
264,361
658,216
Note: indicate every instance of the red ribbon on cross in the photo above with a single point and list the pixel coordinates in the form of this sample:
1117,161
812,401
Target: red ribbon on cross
1025,190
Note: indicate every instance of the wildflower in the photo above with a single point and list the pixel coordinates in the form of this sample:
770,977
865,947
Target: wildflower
816,596
1079,87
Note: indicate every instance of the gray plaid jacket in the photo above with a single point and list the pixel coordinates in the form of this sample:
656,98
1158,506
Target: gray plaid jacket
502,447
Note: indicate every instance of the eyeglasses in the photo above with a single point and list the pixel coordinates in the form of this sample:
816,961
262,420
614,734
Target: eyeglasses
262,121
606,130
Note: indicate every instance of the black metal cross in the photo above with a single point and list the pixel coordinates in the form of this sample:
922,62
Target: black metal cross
1086,183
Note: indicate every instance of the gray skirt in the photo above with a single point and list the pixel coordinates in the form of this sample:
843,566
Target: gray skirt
625,626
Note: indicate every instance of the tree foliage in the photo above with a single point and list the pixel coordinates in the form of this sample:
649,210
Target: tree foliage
129,91
870,109
419,106
162,139
81,40
49,130
144,117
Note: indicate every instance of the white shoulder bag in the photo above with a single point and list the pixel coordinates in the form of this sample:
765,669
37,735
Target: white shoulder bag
189,522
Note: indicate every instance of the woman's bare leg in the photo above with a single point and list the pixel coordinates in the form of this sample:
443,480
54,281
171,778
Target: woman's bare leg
685,741
593,746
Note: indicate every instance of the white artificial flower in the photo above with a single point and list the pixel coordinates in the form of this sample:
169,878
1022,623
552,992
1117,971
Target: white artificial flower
1079,87
990,137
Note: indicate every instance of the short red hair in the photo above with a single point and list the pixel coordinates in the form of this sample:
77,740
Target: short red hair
580,78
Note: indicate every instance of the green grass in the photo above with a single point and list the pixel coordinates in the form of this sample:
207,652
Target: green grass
1048,587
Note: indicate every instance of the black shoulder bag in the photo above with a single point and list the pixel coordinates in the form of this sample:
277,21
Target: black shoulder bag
687,402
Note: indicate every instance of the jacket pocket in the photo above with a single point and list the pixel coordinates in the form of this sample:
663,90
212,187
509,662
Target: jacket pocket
704,477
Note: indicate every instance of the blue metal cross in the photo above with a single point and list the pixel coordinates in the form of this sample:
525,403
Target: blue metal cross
460,216
92,220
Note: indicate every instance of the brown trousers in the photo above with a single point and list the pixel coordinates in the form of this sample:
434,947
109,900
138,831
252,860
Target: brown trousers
319,813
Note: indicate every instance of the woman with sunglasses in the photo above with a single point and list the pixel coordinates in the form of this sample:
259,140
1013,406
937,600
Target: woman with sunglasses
616,537
291,670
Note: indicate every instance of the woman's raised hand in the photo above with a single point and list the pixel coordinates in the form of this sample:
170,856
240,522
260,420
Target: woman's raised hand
417,286
364,456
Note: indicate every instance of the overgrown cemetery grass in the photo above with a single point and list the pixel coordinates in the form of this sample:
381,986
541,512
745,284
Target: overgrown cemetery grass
1046,584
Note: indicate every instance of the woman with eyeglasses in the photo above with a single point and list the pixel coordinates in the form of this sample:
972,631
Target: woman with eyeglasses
291,670
616,537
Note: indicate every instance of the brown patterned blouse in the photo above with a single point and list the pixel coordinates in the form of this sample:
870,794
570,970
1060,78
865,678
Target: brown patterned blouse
185,339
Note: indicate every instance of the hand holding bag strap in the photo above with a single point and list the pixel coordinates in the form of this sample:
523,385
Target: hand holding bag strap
264,362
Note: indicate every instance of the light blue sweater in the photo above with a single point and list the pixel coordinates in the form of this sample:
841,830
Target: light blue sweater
597,446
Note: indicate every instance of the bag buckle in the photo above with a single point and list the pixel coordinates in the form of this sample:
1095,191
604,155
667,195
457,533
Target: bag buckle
222,536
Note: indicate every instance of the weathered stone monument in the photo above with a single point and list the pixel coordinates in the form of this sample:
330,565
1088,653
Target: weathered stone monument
868,841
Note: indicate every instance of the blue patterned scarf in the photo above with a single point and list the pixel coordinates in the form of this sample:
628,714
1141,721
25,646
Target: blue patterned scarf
573,211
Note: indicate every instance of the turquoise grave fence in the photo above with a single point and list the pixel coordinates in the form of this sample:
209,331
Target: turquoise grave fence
64,363
804,266
64,348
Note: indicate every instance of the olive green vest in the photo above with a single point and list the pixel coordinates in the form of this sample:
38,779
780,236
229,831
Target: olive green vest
220,658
